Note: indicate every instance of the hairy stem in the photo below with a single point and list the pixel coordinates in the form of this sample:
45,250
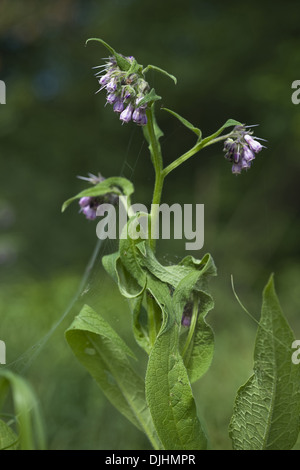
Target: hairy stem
157,160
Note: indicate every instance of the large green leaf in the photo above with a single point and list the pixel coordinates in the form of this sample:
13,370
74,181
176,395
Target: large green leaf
197,344
168,389
267,407
173,274
105,355
170,397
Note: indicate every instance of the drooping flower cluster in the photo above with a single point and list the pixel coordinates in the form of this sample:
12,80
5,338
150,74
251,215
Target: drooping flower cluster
241,148
124,91
89,204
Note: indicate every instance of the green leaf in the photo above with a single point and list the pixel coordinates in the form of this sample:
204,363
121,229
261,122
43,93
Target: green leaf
168,389
130,289
8,438
129,254
228,123
198,342
115,184
26,409
158,69
122,62
128,285
207,267
109,264
186,123
266,411
173,274
151,97
105,355
170,397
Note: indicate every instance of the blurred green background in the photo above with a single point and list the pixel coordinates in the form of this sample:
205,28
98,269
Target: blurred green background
232,60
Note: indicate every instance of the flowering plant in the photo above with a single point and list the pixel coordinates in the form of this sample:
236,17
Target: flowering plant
169,304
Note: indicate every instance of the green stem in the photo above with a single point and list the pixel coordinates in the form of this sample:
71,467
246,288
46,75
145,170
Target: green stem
157,161
156,156
199,146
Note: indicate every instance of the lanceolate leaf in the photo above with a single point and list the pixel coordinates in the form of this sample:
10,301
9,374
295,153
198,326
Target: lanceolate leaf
105,355
168,389
267,407
158,69
170,396
185,122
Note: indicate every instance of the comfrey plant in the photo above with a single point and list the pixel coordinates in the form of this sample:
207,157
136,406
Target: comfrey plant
169,304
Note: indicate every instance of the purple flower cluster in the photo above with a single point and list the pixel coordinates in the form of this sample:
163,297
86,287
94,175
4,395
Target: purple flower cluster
241,148
89,204
124,92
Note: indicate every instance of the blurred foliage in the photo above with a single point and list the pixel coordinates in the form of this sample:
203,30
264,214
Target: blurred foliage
232,60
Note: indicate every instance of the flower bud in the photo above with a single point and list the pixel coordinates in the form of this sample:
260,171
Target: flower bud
139,116
125,116
89,212
84,201
248,154
253,144
118,105
111,98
